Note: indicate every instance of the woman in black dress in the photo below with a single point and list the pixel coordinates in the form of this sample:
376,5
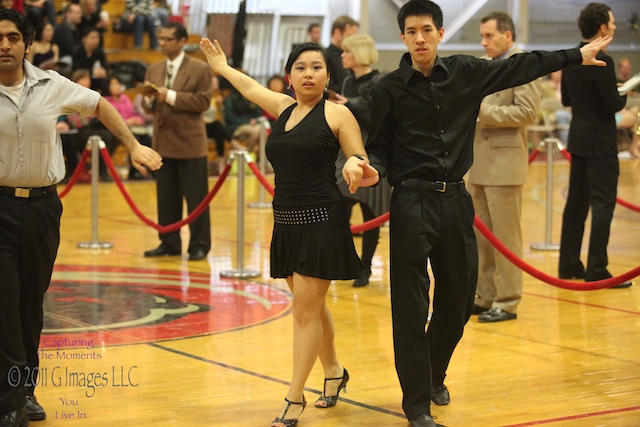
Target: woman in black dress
311,243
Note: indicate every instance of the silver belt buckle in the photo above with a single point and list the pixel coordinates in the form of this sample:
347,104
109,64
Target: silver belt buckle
444,186
22,192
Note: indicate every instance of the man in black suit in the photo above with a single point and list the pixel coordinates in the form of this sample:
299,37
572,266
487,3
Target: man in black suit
592,94
67,35
342,27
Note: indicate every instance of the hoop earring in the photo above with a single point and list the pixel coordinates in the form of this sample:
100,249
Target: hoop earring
327,86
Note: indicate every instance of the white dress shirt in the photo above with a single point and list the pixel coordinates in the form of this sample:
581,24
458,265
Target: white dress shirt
31,148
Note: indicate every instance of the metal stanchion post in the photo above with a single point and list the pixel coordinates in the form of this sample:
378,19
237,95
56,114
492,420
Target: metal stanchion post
240,272
548,144
96,145
262,164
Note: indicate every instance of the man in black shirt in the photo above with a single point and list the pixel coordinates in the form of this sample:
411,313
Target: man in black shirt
423,123
593,96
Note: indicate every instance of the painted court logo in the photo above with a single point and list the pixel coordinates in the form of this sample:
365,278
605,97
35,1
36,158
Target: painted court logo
107,306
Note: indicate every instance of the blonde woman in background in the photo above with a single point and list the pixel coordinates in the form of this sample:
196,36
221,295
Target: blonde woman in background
359,52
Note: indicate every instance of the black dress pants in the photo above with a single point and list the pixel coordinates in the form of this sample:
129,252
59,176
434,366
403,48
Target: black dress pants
426,224
593,183
176,180
29,239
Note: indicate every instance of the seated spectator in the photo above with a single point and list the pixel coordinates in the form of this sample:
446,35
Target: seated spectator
276,83
634,148
90,56
92,18
43,53
559,116
39,12
80,128
68,127
67,35
161,13
6,4
139,17
113,91
241,124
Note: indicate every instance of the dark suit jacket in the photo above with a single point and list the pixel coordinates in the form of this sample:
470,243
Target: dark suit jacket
592,94
338,72
179,131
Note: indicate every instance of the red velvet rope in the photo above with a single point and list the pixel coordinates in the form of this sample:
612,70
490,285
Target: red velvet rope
76,173
564,284
376,222
254,168
163,229
533,155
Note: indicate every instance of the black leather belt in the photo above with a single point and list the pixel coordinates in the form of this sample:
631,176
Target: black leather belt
29,193
439,186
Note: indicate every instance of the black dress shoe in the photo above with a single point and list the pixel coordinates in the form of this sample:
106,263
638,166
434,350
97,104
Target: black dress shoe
34,409
17,418
478,309
160,251
571,276
197,255
440,395
622,285
496,315
424,421
362,280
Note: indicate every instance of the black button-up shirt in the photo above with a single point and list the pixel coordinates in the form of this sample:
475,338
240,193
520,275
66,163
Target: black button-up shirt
423,127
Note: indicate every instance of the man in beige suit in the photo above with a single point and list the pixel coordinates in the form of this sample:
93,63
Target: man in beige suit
498,173
185,92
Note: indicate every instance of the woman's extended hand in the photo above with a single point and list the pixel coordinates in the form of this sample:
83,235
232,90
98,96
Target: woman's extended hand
214,54
358,173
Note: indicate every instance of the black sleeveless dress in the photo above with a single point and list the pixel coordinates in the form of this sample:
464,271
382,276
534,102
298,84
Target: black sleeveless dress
311,233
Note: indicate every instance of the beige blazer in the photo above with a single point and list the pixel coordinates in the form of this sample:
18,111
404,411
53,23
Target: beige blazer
179,130
500,145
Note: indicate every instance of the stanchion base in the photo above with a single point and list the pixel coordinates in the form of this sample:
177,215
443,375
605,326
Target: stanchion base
240,273
95,245
260,205
545,246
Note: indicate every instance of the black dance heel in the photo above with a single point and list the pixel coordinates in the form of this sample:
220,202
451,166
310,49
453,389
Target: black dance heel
330,401
290,422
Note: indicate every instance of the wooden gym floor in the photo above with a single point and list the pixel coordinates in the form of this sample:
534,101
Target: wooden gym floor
131,341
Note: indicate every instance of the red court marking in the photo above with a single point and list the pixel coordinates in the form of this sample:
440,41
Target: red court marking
574,417
112,305
587,304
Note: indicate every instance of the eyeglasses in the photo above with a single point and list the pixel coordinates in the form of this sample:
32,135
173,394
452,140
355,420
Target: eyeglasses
167,39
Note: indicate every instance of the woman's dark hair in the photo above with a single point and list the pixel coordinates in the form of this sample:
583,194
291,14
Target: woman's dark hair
21,22
304,47
420,8
106,84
